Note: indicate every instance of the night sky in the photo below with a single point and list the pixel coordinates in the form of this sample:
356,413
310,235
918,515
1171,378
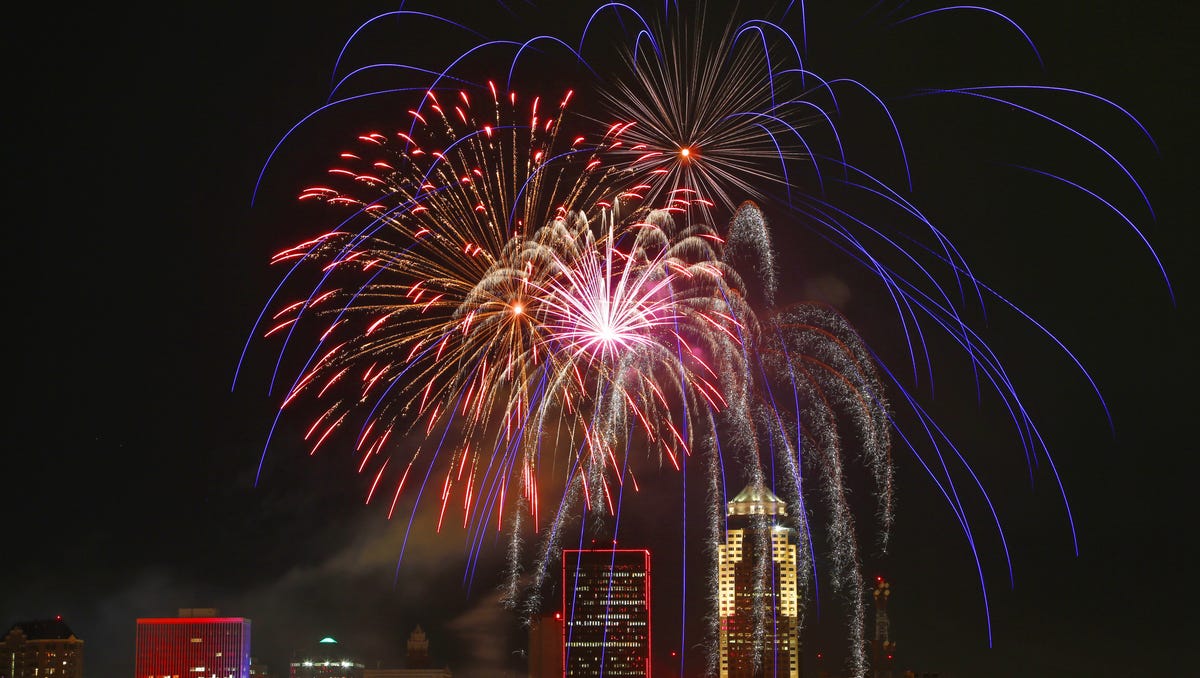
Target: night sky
135,141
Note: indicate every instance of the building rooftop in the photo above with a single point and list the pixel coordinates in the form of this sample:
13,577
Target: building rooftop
756,499
44,629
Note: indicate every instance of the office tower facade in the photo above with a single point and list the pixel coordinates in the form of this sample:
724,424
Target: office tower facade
606,613
325,659
193,646
758,600
44,648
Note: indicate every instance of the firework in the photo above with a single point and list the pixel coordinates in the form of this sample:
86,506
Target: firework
520,309
438,305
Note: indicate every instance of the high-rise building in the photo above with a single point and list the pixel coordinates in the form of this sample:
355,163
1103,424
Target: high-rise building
883,648
326,659
606,613
45,648
758,599
196,644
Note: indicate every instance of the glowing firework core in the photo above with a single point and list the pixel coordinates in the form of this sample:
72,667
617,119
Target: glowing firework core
606,334
639,317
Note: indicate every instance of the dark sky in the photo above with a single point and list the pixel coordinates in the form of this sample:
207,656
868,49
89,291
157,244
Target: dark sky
135,139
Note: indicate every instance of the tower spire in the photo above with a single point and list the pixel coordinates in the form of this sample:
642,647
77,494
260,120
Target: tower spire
883,648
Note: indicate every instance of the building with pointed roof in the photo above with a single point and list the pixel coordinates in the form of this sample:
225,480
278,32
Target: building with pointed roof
43,648
756,500
417,663
758,598
418,650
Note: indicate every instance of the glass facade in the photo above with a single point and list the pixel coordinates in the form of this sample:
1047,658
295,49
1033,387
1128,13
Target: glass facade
606,613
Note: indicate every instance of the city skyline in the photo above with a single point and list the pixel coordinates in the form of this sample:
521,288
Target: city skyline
134,463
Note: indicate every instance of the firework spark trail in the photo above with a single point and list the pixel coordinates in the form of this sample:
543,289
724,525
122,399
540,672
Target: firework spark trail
750,238
982,356
837,380
539,301
841,538
514,561
565,277
794,461
716,496
791,461
825,389
908,298
433,269
985,361
550,548
823,339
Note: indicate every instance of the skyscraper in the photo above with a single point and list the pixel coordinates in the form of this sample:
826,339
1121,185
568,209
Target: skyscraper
759,604
606,613
45,648
193,646
883,648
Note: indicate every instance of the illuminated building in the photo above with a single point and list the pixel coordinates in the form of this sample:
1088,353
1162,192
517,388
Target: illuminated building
606,613
546,646
883,648
758,600
42,648
326,659
196,644
418,650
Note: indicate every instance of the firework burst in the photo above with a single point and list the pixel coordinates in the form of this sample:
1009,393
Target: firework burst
521,310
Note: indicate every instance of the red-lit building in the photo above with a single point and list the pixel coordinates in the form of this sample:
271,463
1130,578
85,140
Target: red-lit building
193,647
606,613
45,648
